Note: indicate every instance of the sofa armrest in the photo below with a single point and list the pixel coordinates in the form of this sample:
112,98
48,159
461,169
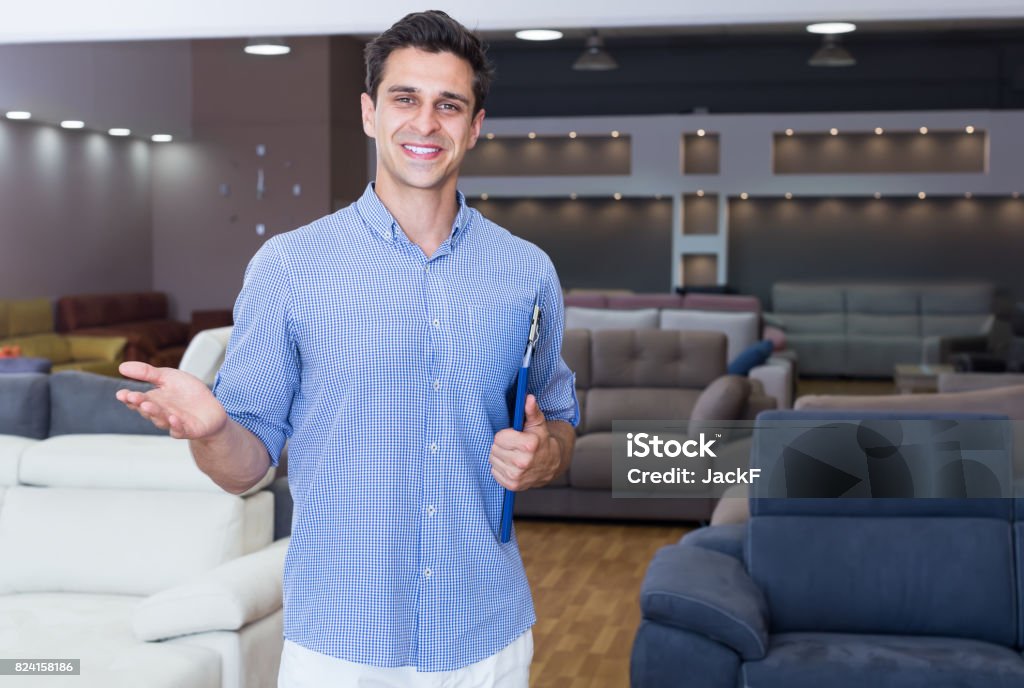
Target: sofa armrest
708,593
84,348
776,375
227,598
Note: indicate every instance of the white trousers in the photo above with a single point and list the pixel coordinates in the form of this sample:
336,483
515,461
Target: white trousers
304,668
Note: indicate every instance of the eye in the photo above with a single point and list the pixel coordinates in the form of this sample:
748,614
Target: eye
452,107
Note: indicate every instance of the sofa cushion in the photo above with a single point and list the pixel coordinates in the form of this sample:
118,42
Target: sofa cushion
956,299
740,328
50,346
12,448
957,325
98,630
656,358
605,319
810,660
29,316
815,323
751,357
25,404
723,399
885,325
879,299
576,354
790,297
130,542
92,310
83,403
605,405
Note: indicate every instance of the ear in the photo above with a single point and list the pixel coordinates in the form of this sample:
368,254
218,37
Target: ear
369,115
474,128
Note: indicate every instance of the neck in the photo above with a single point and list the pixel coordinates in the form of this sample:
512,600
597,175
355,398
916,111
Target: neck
425,215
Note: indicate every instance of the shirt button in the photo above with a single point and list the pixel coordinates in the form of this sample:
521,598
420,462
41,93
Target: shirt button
426,268
427,573
433,447
431,510
437,385
437,323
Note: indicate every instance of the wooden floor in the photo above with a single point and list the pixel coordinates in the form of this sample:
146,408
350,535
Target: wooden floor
585,579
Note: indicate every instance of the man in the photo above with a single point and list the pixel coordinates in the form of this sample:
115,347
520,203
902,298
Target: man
383,340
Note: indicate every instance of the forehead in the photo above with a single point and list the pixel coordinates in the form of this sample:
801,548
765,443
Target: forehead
431,73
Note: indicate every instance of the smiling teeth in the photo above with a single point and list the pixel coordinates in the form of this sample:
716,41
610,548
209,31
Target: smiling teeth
420,150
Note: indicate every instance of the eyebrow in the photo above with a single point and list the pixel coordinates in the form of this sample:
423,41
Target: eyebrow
451,95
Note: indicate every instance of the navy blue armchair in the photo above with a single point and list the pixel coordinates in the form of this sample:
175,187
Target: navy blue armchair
908,593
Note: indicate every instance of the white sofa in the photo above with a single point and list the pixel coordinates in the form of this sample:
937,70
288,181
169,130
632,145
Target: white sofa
205,353
741,330
116,550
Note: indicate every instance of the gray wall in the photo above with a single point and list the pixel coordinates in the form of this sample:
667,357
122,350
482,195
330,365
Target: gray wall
890,239
75,212
596,243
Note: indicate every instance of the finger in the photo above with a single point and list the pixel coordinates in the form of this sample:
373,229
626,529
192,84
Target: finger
153,412
137,370
534,416
512,440
510,459
504,480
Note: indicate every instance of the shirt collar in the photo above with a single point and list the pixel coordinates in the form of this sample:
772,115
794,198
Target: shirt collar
379,218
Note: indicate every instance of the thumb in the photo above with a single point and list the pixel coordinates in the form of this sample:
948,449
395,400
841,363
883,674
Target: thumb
137,370
534,417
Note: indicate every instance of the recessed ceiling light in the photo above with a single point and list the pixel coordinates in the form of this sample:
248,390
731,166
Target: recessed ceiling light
831,27
701,132
532,135
572,134
573,195
657,197
72,124
878,195
744,195
700,193
968,195
267,46
969,129
1016,194
490,135
119,131
834,131
538,35
879,130
923,130
922,195
789,196
617,196
484,196
161,138
18,114
615,133
789,132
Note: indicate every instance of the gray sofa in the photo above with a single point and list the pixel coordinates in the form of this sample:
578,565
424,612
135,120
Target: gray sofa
865,329
645,374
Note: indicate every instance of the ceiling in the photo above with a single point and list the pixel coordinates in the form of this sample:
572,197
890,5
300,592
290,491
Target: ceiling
74,20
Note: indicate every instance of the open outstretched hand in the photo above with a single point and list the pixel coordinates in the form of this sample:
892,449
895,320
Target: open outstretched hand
179,403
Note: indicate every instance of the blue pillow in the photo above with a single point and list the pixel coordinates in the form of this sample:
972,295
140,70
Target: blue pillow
751,357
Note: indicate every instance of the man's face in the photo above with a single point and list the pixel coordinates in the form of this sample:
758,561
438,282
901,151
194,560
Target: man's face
423,118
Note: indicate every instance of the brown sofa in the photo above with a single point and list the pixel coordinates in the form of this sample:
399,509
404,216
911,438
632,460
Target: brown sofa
28,325
141,318
640,375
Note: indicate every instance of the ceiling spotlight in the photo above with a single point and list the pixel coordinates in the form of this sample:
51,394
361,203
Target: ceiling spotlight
831,54
119,131
538,35
267,46
18,114
573,196
969,129
831,28
161,138
789,196
968,195
617,196
700,193
789,132
615,134
744,195
595,58
1016,194
922,195
701,132
879,130
923,130
834,131
532,135
72,124
572,134
657,197
484,196
490,136
878,195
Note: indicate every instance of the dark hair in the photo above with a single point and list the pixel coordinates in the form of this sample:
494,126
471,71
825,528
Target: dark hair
434,32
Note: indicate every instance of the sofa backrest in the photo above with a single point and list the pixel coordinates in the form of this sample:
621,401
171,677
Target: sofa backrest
95,310
205,353
891,566
25,404
19,317
741,329
580,318
643,374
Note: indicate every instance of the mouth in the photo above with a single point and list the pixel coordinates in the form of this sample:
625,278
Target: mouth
421,152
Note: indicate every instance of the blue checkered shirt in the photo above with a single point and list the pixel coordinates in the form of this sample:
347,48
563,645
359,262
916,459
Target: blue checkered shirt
389,371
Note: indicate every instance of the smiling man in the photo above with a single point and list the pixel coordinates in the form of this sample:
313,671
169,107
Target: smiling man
383,341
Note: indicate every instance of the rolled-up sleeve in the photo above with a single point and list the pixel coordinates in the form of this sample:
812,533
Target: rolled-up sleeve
260,376
551,380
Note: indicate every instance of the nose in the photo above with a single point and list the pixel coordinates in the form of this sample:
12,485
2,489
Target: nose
426,121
